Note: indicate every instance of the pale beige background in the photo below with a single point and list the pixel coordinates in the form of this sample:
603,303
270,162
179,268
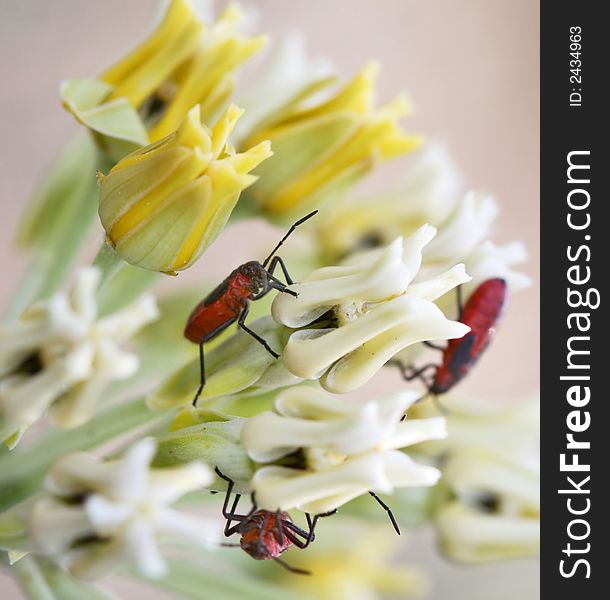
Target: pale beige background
472,69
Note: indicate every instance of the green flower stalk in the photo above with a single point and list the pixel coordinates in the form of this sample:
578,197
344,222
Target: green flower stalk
163,205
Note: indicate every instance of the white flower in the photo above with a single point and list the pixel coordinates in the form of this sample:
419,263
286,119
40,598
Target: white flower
488,261
491,465
377,312
59,356
465,228
100,514
430,193
348,448
496,513
510,427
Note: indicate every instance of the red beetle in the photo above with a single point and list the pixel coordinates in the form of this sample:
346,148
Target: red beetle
481,313
229,302
265,535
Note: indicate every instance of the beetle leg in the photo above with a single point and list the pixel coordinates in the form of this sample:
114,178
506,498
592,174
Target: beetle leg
388,510
202,374
274,263
309,536
257,337
291,569
230,515
410,373
434,346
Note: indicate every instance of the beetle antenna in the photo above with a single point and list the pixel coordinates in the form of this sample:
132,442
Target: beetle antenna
299,222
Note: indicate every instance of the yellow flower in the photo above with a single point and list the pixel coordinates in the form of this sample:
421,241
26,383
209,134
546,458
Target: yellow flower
320,149
352,560
145,96
163,205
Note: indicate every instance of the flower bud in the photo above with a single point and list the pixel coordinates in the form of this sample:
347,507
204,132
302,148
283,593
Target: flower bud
144,97
163,205
322,149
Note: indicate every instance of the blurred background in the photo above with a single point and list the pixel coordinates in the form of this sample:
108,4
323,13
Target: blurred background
471,68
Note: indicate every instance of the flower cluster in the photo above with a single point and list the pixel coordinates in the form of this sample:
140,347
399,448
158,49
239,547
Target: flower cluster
191,179
145,95
98,514
490,466
175,165
59,356
321,149
347,449
376,310
431,192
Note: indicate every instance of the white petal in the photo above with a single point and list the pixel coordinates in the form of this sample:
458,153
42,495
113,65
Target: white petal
465,229
169,484
95,561
23,399
268,436
384,277
179,526
469,471
415,431
82,294
470,536
107,516
53,525
125,323
435,287
141,544
130,475
77,473
280,487
397,324
488,261
402,471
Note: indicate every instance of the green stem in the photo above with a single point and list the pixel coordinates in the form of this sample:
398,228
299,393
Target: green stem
22,472
109,263
121,282
31,580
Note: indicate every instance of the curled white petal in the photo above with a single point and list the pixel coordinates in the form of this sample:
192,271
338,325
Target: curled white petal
383,278
376,311
353,353
489,260
348,448
54,525
467,227
322,491
310,418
